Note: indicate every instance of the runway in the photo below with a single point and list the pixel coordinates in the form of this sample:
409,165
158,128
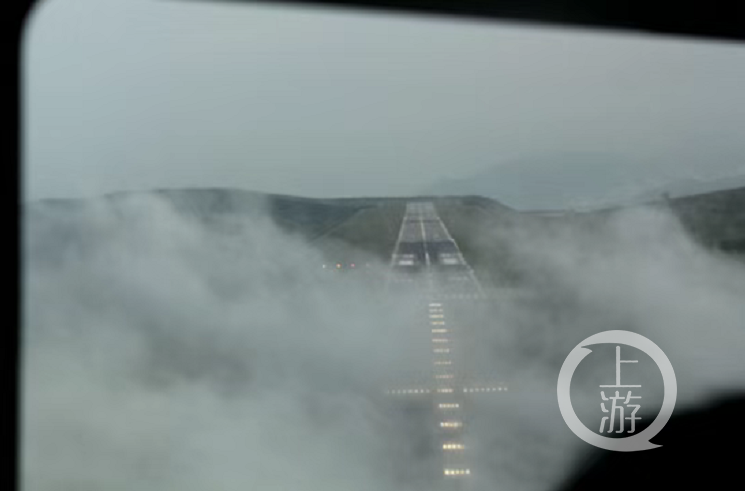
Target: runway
428,262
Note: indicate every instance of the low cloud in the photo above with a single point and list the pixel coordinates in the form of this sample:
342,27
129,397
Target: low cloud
160,352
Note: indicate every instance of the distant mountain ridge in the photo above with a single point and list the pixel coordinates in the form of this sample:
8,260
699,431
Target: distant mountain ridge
689,187
574,181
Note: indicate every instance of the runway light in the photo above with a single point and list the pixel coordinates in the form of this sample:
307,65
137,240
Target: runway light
451,424
448,406
438,323
446,362
435,305
445,390
457,472
436,316
453,446
441,350
338,266
439,340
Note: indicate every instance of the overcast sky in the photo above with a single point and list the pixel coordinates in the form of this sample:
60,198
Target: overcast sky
137,94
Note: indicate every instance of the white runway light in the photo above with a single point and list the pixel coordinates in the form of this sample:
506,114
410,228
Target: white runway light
450,424
457,472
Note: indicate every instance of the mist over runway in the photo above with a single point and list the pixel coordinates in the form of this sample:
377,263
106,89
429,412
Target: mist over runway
193,339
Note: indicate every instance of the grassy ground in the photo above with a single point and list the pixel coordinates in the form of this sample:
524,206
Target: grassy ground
370,234
716,219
